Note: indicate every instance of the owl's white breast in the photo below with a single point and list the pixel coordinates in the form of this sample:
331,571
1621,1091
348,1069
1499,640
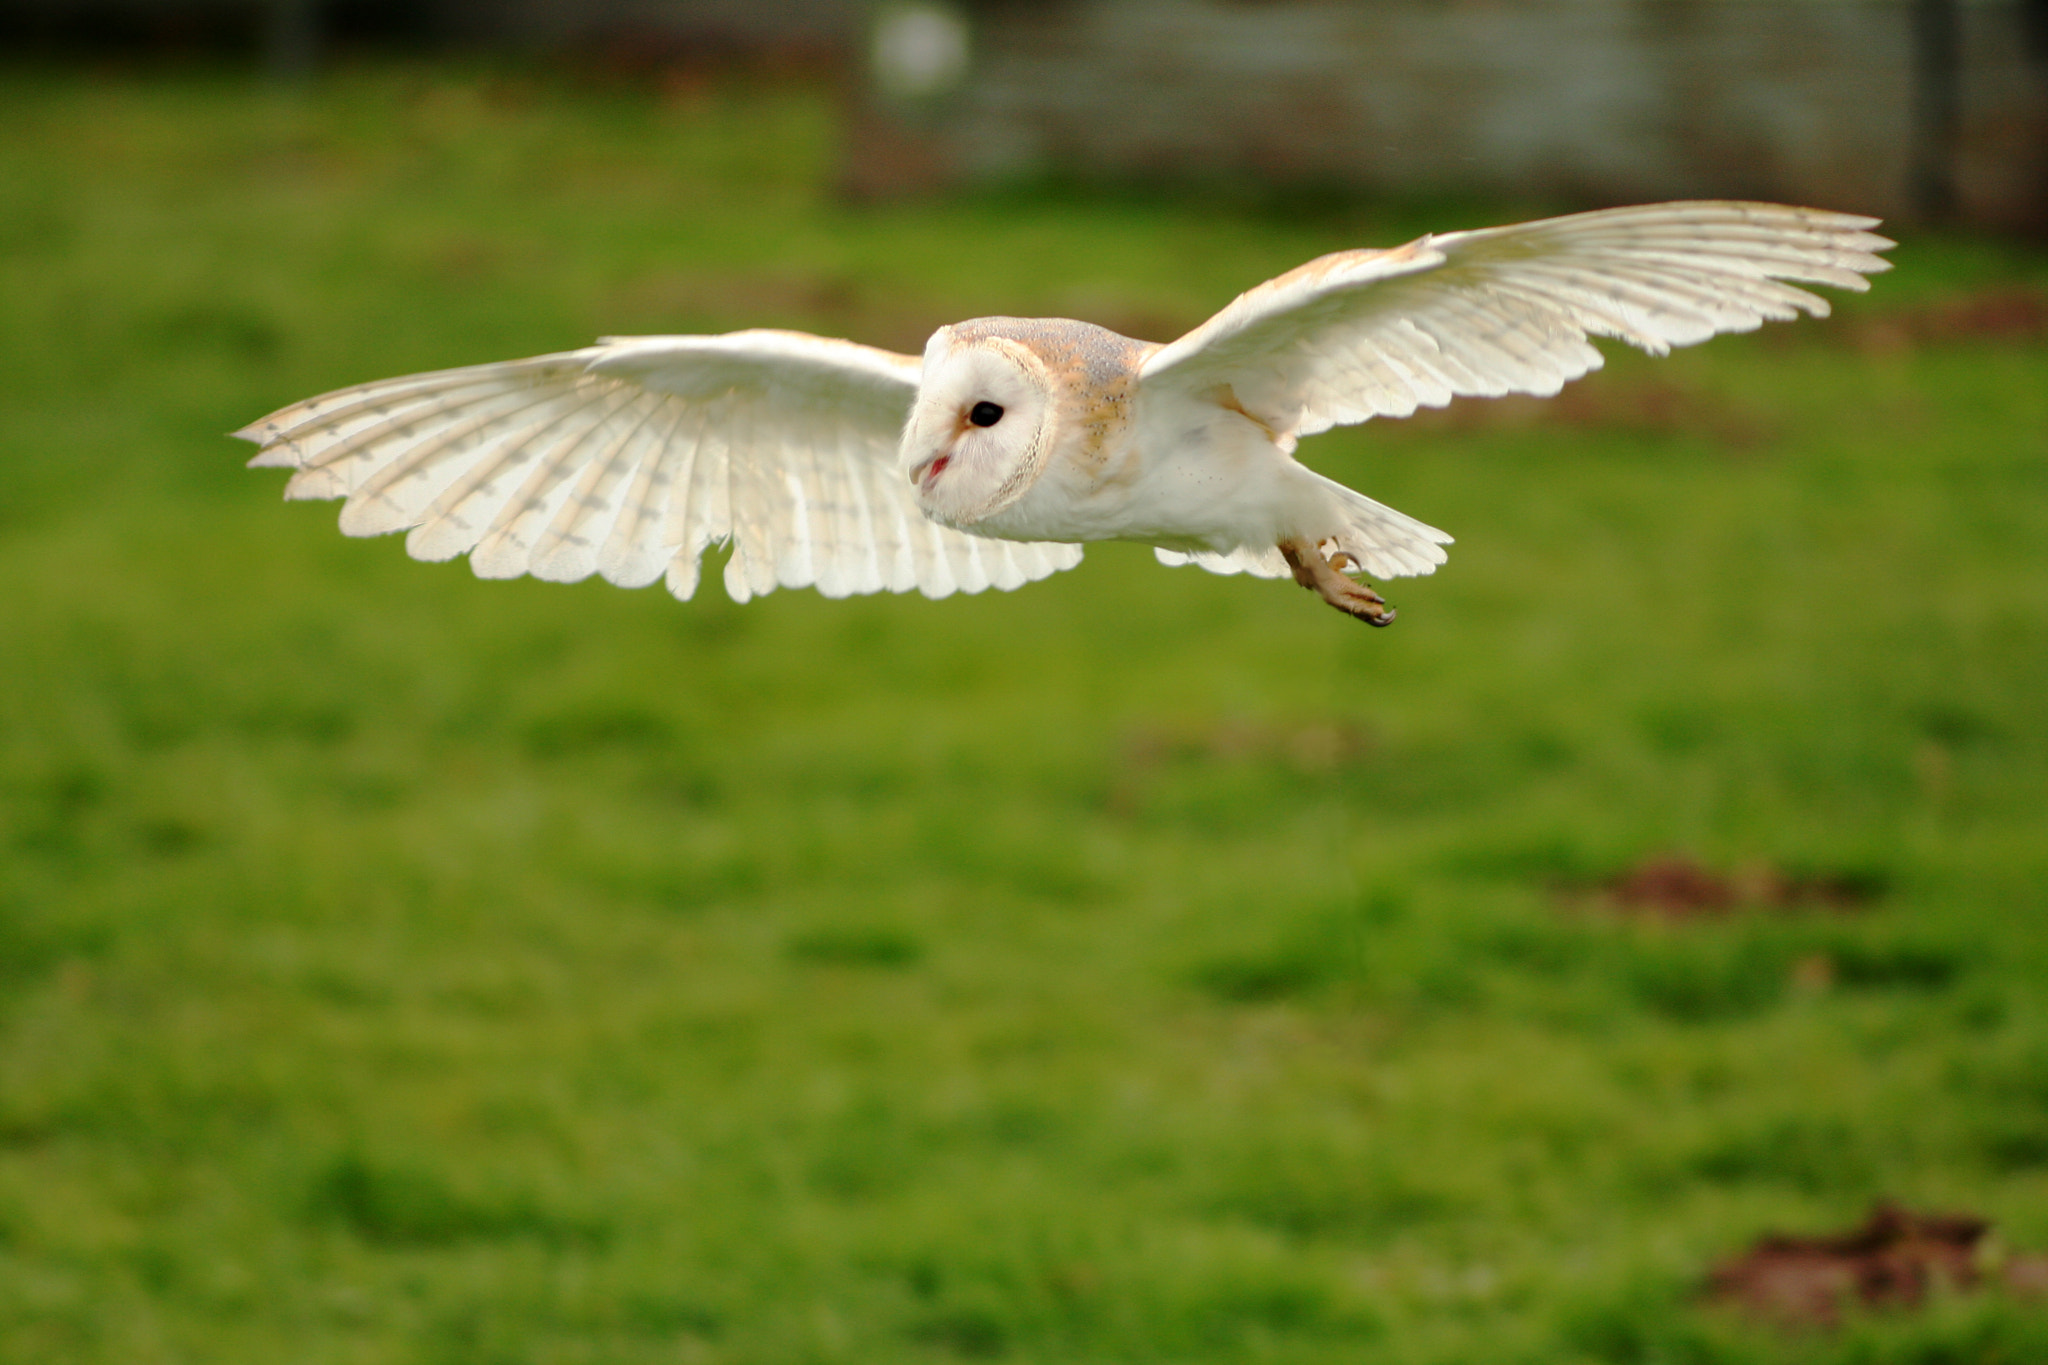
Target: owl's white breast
1109,459
1179,474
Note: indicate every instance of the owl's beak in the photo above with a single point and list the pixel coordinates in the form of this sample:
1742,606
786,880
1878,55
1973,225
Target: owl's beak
927,472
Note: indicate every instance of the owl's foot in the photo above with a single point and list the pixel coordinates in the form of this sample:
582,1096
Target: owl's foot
1321,576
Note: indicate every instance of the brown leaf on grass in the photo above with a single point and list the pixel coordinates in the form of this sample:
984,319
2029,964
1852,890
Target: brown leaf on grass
1892,1260
1674,887
1678,888
2026,1275
2007,312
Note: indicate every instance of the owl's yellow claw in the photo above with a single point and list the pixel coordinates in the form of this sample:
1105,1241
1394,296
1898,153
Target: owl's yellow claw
1320,576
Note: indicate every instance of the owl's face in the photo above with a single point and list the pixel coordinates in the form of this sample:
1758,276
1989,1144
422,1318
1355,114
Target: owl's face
981,427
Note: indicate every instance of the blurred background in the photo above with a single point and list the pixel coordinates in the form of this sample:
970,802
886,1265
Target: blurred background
1142,966
1937,108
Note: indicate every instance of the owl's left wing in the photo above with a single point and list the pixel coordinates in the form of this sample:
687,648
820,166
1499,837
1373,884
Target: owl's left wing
630,457
1361,334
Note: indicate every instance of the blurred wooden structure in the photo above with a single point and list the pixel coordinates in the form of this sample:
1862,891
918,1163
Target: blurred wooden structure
1927,108
1895,107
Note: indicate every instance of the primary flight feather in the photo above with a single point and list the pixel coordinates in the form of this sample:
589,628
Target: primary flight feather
851,469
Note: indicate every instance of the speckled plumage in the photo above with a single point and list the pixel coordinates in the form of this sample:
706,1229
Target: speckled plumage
830,464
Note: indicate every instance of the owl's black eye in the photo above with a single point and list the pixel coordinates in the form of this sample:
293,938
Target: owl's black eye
985,414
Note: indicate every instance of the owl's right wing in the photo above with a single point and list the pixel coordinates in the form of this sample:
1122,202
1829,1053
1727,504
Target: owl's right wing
629,458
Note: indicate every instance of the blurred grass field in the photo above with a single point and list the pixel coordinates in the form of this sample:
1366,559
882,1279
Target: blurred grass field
1143,966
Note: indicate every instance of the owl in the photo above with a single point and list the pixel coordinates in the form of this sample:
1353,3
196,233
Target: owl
992,459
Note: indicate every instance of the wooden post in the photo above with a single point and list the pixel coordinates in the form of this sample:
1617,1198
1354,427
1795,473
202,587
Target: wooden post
1937,107
291,39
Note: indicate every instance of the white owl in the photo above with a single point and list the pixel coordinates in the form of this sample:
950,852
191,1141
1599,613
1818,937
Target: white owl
856,470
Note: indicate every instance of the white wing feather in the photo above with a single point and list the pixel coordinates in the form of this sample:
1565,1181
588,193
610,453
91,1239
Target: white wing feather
631,457
1362,334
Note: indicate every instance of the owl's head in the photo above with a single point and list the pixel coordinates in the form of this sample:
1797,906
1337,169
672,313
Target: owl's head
983,423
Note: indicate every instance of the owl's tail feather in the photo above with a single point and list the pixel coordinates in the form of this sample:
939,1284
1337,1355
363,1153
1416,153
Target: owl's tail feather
1381,542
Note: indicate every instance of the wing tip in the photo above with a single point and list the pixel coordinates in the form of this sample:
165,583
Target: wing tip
282,455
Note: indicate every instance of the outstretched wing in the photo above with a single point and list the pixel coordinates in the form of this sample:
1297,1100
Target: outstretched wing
1363,334
630,457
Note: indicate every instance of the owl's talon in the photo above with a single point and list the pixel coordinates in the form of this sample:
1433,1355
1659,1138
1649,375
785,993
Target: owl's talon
1320,576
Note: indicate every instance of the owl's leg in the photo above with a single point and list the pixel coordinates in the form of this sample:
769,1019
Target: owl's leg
1320,576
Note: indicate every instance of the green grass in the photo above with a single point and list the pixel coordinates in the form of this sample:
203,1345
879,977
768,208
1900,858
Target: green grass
1143,966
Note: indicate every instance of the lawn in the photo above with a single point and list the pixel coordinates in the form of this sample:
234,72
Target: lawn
1141,967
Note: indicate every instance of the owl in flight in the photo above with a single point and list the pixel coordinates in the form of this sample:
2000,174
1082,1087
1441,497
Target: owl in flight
1013,440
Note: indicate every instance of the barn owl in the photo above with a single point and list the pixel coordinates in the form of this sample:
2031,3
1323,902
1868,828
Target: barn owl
988,462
